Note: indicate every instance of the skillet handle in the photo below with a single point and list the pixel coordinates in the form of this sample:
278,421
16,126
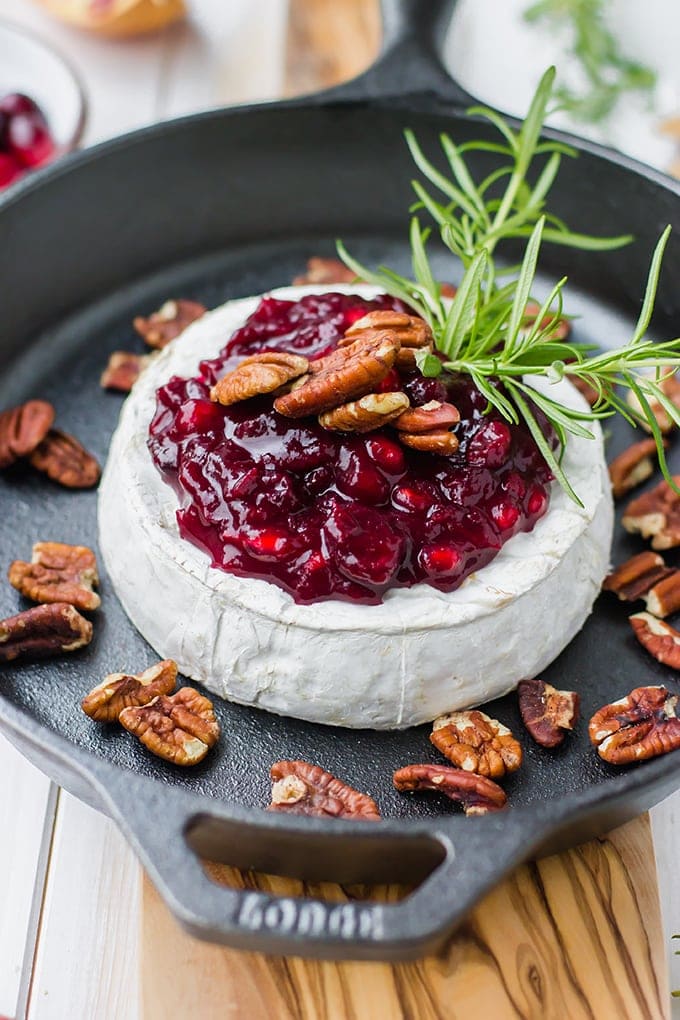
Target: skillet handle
410,61
473,854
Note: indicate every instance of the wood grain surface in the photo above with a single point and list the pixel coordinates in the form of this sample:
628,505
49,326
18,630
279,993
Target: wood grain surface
576,936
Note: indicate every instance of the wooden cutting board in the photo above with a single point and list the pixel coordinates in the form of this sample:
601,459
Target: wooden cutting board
576,936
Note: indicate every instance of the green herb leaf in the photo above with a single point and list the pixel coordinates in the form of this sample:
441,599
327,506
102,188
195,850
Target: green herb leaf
485,331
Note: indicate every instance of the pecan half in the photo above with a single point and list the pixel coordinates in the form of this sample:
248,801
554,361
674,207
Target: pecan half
670,387
476,743
437,441
632,467
168,322
412,332
642,725
658,638
320,270
63,459
123,370
656,515
429,417
368,413
181,728
58,573
344,375
636,576
117,691
42,631
23,428
304,789
257,375
476,793
546,712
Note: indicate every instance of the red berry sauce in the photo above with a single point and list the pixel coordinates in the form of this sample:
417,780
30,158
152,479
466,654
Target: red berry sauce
25,138
325,515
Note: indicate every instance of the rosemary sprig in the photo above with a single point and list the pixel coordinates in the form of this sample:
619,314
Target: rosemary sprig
485,331
608,72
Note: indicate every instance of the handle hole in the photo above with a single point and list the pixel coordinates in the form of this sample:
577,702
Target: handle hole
356,860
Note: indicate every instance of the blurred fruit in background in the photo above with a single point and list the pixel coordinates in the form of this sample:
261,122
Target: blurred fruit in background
25,138
117,17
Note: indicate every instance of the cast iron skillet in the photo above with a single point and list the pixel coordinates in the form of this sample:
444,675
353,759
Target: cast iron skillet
230,203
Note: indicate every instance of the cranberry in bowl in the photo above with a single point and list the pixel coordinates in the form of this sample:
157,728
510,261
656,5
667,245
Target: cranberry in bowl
42,105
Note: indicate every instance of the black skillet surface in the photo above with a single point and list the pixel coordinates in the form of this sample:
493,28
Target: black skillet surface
233,202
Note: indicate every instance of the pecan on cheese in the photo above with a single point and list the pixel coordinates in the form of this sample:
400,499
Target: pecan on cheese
168,322
634,578
344,375
474,742
304,789
258,375
658,638
180,728
656,515
117,691
439,441
22,429
43,631
430,417
632,467
477,794
642,725
63,459
547,713
412,332
368,413
123,370
58,573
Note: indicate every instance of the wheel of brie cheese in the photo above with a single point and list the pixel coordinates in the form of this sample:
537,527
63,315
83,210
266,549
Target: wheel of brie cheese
407,652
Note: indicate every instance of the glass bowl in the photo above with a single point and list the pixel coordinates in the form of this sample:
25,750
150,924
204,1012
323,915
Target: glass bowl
29,65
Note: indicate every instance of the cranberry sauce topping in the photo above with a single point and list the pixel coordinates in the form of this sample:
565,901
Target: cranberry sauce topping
325,515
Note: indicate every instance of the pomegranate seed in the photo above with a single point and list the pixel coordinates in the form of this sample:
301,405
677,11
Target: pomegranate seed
412,498
15,103
505,515
514,485
358,477
28,139
387,454
10,170
439,559
490,444
353,315
270,543
537,502
199,416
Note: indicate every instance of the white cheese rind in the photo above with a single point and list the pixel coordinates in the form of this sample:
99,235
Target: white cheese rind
419,654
